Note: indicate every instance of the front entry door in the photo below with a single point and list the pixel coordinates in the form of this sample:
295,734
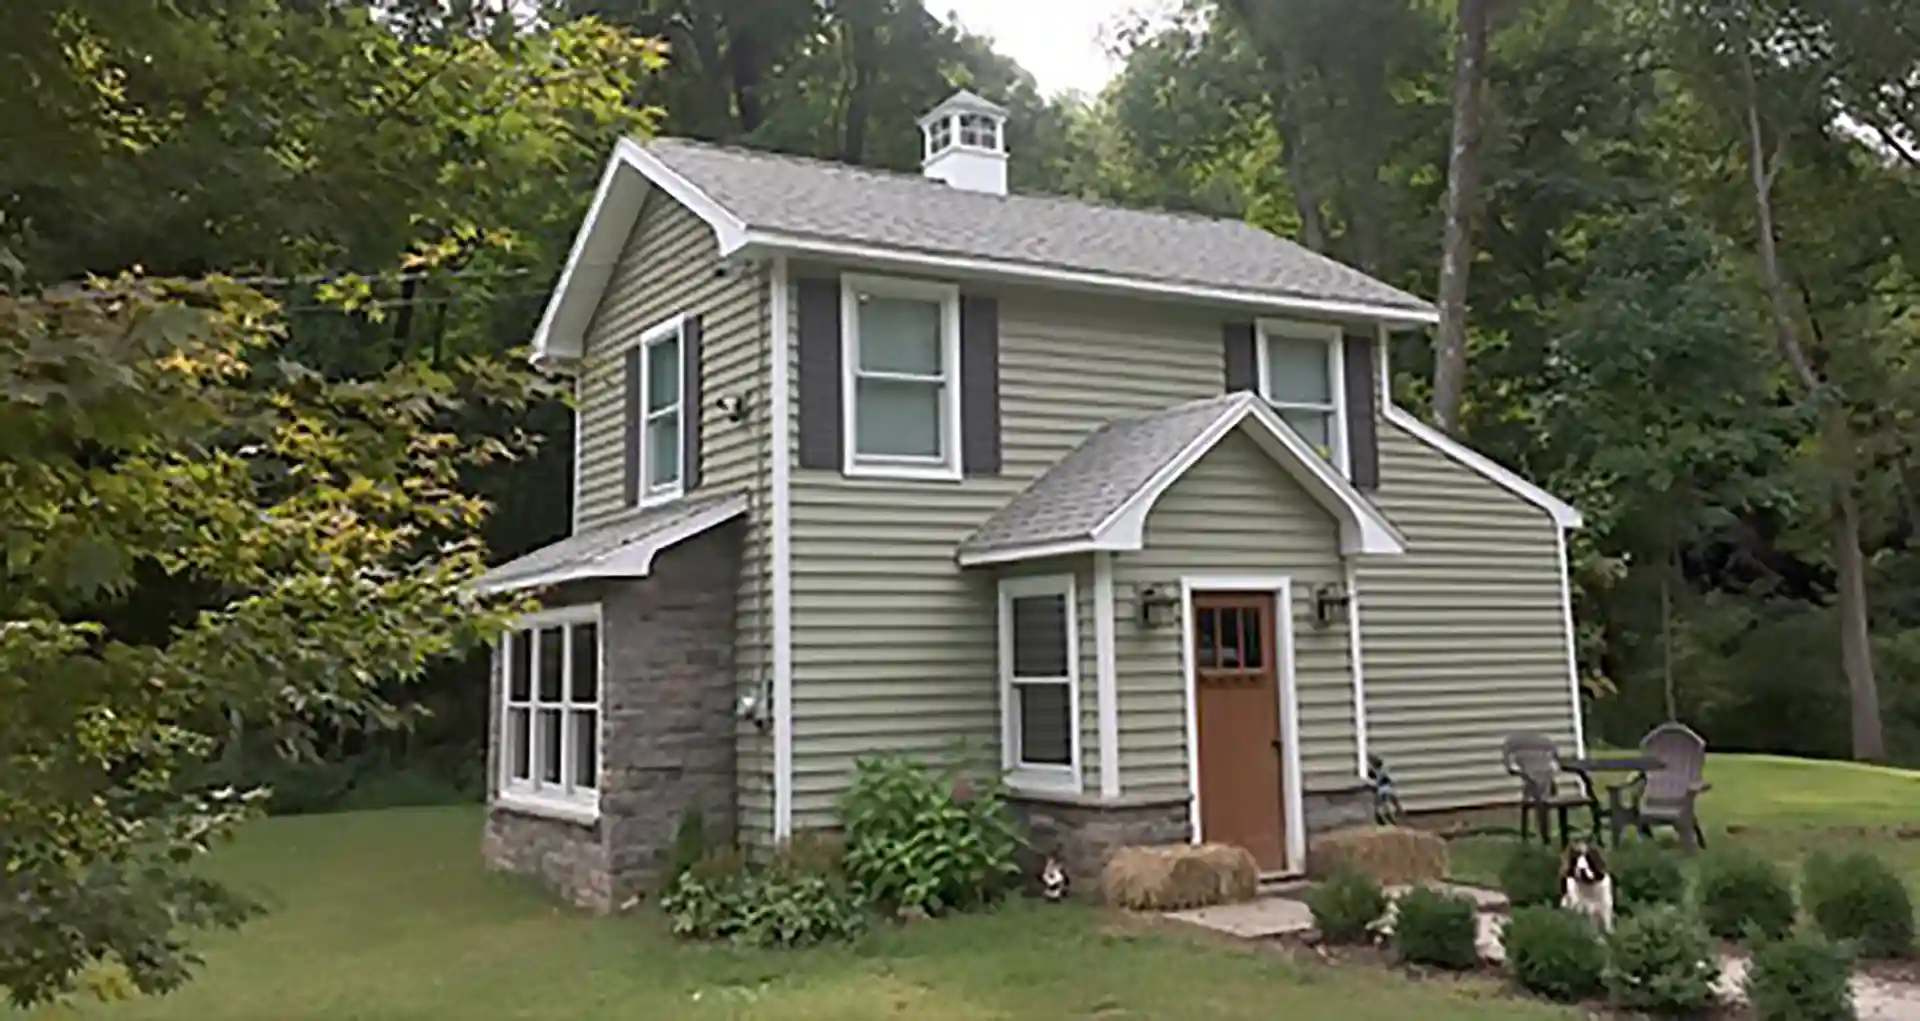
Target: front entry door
1236,685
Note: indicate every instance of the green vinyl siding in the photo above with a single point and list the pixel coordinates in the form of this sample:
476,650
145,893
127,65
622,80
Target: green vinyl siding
1464,637
670,265
1234,513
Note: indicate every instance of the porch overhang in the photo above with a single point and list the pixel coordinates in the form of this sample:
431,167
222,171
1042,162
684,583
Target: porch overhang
622,548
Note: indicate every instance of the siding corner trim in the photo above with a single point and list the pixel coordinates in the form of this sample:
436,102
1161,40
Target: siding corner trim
780,414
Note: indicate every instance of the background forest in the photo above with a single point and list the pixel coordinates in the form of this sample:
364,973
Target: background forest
1684,233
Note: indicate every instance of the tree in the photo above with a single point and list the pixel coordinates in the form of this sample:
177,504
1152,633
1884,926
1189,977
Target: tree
1456,249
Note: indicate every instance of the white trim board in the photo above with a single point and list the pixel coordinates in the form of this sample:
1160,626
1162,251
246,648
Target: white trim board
780,434
1573,649
1563,513
629,560
1106,674
1352,581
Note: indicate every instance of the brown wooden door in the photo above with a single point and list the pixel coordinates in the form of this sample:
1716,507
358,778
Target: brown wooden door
1236,684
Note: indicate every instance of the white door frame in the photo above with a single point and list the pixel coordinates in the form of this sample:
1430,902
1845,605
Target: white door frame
1288,707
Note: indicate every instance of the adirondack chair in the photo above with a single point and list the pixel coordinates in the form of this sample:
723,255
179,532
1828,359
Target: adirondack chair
1665,796
1544,789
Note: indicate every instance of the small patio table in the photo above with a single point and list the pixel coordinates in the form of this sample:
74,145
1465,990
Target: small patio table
1636,764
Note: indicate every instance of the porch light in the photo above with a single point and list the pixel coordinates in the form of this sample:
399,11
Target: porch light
1330,603
1159,605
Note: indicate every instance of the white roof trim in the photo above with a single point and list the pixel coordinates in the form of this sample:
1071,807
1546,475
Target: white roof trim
1563,513
630,560
596,248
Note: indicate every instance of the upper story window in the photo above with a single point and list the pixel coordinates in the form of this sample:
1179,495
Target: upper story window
1039,683
549,722
1300,375
663,349
901,392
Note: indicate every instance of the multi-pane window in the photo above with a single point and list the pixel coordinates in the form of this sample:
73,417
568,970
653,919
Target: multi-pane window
550,715
663,347
902,362
1039,670
979,131
1299,377
939,136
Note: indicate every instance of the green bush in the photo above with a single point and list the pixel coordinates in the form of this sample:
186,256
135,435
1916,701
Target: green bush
1645,875
689,845
1856,897
1346,905
1801,978
784,903
1555,952
1662,961
921,840
1440,929
1743,896
1530,875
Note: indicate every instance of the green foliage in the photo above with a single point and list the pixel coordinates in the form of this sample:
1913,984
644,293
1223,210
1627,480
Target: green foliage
1436,928
788,902
1345,906
1530,875
1856,897
689,844
1742,895
927,840
1555,952
1663,961
1646,874
1801,978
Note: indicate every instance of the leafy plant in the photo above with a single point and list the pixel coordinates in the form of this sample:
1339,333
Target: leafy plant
1345,905
1661,960
919,839
1555,952
689,845
1743,896
1530,875
1645,874
1856,897
1437,928
1801,978
784,903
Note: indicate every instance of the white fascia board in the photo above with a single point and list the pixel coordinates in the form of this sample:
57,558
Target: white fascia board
1563,513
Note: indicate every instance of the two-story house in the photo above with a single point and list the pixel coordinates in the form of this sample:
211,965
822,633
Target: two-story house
879,462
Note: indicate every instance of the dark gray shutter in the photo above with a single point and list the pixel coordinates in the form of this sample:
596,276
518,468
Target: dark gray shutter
1242,371
630,402
820,440
979,385
1363,435
691,401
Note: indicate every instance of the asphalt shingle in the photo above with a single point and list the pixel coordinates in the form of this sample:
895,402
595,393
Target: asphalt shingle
585,547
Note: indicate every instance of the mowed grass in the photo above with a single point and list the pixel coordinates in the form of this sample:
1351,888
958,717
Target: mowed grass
1784,808
386,916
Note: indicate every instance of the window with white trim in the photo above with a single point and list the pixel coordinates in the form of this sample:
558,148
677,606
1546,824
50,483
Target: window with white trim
1300,375
661,422
980,131
1039,670
902,388
550,679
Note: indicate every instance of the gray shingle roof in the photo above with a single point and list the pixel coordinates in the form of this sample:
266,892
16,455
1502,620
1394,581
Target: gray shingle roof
1071,500
588,553
836,202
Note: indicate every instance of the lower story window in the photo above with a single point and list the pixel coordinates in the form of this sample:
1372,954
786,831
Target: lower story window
1040,682
550,709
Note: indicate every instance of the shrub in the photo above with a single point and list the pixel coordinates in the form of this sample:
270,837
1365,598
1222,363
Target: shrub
1645,875
1661,960
1801,978
1743,896
1440,929
1345,905
1555,952
784,903
920,840
689,844
1530,875
1856,897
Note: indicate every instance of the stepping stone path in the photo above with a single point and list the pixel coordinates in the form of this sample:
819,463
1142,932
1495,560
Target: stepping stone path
1279,912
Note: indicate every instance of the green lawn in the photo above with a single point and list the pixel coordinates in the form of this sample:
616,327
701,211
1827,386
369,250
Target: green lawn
1784,808
388,915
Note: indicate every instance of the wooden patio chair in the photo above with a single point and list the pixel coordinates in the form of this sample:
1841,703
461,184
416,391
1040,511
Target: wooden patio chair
1535,760
1666,796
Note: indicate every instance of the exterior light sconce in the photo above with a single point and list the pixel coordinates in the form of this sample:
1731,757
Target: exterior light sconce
1330,605
1159,605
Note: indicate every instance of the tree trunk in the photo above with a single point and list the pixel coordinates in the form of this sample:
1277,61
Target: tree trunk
1283,107
863,42
1463,184
1856,643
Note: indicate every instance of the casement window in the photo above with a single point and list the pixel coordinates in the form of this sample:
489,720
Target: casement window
1301,375
901,392
550,670
1039,691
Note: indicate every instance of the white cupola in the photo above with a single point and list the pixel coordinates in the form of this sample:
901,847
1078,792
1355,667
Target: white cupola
966,143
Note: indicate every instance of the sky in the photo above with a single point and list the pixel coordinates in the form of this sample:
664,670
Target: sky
1059,41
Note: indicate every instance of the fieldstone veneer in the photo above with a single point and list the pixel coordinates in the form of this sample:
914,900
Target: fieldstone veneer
667,730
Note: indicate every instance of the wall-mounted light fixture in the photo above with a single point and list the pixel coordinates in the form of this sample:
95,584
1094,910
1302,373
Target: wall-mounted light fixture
1330,604
1159,605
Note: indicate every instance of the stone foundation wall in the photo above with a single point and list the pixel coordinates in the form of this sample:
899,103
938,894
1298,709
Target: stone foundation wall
568,858
1336,804
1083,834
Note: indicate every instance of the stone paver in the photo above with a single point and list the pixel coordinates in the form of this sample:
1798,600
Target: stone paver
1264,918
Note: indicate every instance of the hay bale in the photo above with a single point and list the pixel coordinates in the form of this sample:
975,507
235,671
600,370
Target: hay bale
1175,877
1394,855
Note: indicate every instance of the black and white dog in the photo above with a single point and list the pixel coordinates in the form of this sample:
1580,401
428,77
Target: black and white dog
1585,884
